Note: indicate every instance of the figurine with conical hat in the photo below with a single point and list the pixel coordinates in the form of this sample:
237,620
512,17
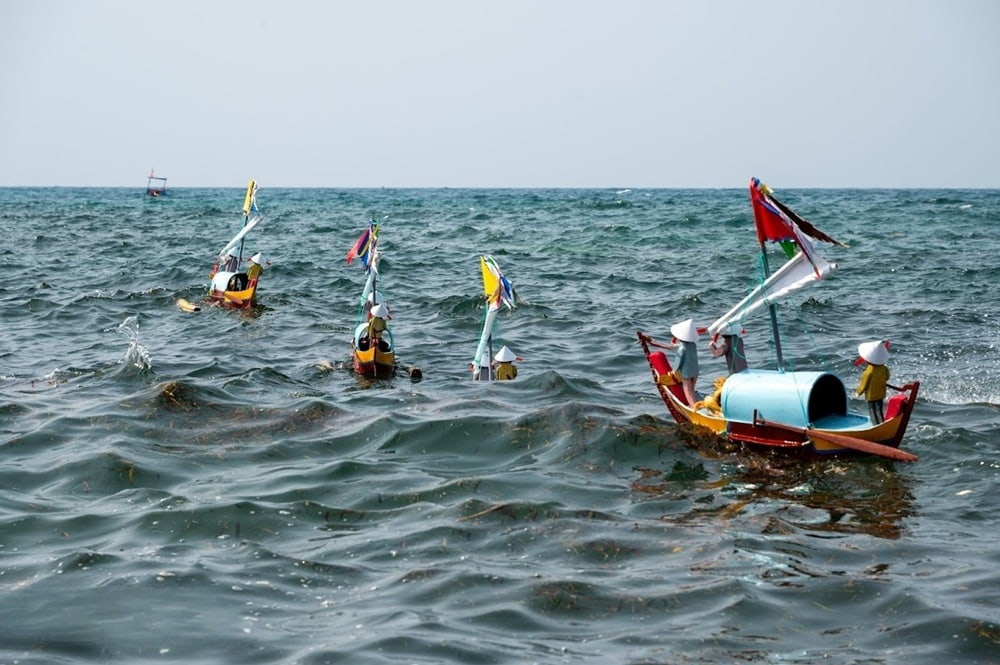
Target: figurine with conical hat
729,343
256,267
875,377
505,368
686,364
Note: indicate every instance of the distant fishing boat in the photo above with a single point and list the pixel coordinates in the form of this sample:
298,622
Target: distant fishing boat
499,292
373,350
804,411
155,185
231,287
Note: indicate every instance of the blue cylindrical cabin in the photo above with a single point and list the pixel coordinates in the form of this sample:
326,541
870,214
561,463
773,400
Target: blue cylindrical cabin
791,398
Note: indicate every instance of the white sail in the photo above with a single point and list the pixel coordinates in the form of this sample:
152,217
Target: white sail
372,275
484,338
796,273
242,234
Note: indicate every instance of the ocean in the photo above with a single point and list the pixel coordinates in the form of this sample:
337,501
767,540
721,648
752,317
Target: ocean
219,487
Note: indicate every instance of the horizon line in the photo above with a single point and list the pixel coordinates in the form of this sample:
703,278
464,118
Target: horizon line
620,188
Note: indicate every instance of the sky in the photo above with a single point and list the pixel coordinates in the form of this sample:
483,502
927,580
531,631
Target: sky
511,93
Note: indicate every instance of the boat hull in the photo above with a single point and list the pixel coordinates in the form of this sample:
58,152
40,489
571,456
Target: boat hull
222,293
375,363
234,299
802,412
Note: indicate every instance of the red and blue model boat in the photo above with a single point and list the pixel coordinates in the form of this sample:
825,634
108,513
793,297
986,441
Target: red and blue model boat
779,409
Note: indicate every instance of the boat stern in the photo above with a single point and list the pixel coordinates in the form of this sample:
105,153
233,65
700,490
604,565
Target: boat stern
374,362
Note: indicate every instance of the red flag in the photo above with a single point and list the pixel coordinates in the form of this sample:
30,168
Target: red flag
775,221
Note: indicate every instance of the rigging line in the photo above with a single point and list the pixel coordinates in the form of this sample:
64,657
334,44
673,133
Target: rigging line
802,326
823,359
785,334
789,365
790,314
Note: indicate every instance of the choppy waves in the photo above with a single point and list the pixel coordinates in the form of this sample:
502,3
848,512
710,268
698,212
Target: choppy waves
212,487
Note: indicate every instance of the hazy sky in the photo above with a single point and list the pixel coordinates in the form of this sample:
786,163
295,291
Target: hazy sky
508,93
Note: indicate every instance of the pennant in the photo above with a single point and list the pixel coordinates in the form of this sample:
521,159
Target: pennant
250,202
362,247
359,245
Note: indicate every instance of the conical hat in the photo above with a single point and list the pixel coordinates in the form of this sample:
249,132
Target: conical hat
379,310
258,258
505,355
733,328
685,331
874,352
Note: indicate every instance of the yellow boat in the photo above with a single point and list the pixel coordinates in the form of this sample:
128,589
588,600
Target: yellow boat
373,351
230,287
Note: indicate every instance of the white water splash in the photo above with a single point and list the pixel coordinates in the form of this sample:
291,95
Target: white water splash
136,355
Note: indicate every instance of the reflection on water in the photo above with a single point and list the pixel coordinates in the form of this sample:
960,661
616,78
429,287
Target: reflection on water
843,495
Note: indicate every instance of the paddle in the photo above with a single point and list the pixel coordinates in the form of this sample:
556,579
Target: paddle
851,442
187,306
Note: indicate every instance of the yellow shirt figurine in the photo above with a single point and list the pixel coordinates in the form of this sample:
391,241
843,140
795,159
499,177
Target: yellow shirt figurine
256,266
377,325
505,370
875,377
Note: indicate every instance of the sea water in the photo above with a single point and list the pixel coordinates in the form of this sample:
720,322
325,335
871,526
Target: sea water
219,487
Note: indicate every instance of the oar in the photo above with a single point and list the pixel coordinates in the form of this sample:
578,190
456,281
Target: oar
846,441
233,299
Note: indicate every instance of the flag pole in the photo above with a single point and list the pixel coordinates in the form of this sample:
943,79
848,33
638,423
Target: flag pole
772,311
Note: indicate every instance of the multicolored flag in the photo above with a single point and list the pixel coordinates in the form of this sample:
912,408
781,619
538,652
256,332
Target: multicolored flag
775,222
365,243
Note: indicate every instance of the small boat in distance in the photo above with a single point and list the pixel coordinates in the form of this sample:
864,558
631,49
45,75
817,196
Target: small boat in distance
373,350
230,287
779,409
499,292
155,185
